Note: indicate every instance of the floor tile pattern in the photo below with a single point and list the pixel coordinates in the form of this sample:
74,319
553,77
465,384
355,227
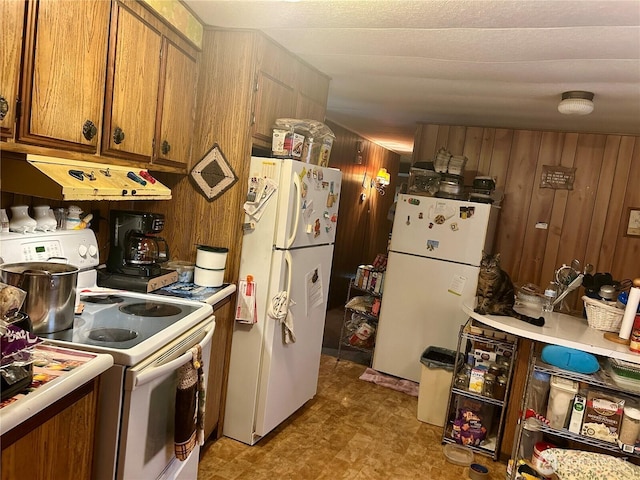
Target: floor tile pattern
352,429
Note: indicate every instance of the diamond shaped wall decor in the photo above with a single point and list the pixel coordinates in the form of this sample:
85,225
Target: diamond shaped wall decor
212,175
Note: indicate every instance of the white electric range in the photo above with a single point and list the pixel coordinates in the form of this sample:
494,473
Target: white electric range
149,336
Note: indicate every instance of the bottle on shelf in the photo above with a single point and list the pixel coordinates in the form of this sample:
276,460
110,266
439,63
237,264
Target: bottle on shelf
550,295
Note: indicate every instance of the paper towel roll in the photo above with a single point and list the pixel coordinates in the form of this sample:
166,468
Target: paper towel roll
630,312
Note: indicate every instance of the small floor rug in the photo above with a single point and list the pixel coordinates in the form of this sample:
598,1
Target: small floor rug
405,386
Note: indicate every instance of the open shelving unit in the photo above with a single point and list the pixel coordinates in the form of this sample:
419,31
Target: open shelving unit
600,380
350,326
490,446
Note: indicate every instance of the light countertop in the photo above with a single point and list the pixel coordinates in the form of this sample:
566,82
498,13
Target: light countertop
190,291
57,372
559,329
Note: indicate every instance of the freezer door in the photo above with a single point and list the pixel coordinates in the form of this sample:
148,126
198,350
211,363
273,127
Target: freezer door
289,372
308,205
443,229
421,307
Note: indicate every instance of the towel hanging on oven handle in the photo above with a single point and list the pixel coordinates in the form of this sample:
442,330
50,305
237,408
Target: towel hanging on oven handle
155,372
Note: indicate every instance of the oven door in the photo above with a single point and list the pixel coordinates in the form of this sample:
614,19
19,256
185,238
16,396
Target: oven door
147,436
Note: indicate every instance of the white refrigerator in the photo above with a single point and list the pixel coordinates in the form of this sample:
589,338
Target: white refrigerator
432,269
287,247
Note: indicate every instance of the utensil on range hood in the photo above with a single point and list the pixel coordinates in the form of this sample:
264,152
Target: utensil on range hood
63,179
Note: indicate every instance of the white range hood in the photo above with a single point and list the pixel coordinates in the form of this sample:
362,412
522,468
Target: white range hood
62,179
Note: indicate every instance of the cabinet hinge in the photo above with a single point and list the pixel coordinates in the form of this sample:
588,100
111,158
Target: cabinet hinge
18,108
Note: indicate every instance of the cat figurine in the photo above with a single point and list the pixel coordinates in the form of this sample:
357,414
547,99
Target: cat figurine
496,293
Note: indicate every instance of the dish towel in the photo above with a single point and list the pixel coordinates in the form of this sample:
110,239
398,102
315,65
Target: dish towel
279,310
190,403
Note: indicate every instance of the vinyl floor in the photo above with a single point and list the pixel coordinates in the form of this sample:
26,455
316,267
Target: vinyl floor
352,429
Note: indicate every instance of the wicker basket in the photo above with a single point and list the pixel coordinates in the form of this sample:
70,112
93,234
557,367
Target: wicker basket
602,316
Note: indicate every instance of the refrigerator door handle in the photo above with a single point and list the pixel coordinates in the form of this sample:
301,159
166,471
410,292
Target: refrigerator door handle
289,261
297,196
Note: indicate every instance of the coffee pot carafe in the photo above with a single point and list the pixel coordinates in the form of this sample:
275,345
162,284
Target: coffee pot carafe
143,249
135,248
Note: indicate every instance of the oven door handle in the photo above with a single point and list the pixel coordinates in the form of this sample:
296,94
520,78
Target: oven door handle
151,374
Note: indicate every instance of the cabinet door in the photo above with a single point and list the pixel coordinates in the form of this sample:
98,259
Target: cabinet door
312,93
132,87
173,144
273,100
63,83
12,13
308,108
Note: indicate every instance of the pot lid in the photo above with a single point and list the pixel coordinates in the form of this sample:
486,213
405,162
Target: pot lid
64,179
36,267
207,248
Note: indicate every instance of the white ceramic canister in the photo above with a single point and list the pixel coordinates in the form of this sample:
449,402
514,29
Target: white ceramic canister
46,221
207,277
212,258
21,222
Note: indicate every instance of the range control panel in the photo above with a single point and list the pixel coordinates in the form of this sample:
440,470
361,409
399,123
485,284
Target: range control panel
75,247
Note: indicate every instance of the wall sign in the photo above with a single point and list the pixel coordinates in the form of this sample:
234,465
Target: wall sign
557,177
633,225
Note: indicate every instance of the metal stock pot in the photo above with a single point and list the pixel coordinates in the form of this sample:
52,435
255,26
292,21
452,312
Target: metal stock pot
51,292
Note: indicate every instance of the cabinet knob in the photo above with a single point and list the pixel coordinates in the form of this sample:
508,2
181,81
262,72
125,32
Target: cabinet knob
4,108
165,147
118,136
89,130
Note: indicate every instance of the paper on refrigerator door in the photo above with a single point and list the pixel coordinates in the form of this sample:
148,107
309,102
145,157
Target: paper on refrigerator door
313,284
260,190
246,305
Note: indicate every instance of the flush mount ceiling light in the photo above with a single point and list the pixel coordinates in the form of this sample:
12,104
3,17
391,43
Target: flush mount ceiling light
576,102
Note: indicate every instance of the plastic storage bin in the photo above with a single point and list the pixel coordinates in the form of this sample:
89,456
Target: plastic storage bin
435,382
561,396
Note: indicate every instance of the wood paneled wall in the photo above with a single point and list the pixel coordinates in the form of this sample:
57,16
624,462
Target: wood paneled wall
363,228
587,223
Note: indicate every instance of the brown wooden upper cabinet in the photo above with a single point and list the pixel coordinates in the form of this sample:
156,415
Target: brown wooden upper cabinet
313,90
63,73
150,95
176,120
275,95
12,14
285,88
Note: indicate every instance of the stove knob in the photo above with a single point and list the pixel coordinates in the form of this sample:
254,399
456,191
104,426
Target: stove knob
93,251
82,250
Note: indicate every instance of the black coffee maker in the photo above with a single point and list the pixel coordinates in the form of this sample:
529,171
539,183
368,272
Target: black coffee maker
135,247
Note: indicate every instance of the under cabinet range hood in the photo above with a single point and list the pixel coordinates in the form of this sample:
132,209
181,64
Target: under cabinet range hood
62,179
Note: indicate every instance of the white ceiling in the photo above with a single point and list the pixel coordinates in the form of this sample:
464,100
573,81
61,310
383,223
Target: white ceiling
458,62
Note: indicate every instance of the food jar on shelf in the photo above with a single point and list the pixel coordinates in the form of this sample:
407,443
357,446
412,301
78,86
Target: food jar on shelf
488,389
630,427
461,381
561,394
501,387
